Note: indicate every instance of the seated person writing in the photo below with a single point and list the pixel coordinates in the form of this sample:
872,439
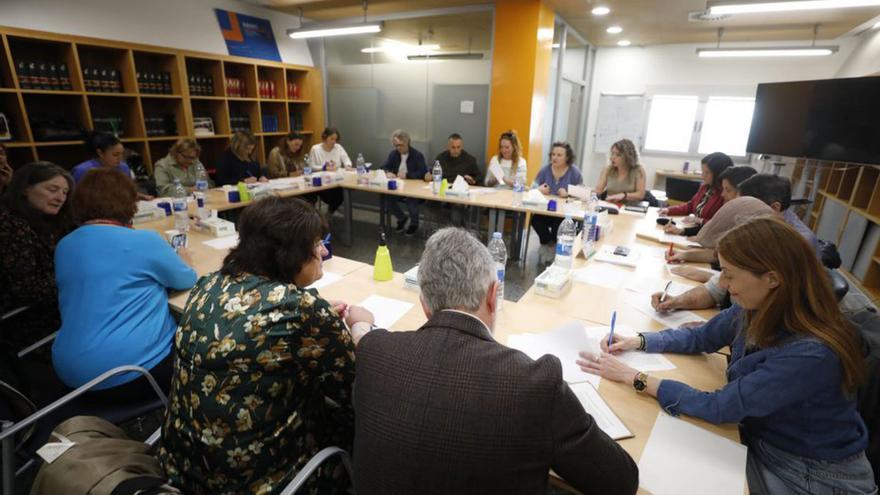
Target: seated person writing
237,163
329,155
288,158
624,179
730,180
432,413
555,178
708,198
794,369
264,365
404,162
179,164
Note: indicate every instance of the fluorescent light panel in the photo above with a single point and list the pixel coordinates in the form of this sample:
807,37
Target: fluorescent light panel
795,51
600,11
717,8
447,56
614,30
324,30
624,43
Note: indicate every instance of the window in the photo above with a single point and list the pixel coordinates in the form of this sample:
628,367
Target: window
691,124
726,125
671,123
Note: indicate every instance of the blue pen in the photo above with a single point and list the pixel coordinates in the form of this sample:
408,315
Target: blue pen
611,335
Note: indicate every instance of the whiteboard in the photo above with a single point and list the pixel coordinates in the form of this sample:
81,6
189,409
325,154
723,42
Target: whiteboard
620,116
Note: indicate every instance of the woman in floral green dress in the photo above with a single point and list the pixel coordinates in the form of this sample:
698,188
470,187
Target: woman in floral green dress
263,367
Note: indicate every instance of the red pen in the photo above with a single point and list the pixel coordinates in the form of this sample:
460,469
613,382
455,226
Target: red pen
670,254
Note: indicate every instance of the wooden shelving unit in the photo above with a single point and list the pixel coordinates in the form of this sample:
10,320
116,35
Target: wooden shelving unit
855,188
133,105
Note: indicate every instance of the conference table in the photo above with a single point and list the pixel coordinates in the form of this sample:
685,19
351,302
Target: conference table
588,303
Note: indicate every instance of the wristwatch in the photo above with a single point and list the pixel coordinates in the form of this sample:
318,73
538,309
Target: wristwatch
640,382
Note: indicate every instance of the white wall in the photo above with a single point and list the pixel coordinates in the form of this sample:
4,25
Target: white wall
865,57
182,24
636,70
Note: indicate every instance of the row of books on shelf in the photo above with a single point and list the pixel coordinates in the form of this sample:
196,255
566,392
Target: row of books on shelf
42,74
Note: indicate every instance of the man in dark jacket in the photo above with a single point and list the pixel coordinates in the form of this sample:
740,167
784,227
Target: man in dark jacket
447,409
405,162
456,161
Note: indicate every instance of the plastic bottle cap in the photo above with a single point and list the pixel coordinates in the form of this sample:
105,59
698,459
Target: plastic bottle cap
496,235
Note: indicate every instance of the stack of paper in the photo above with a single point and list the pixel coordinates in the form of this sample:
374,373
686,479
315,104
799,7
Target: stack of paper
223,243
605,418
606,254
683,459
658,235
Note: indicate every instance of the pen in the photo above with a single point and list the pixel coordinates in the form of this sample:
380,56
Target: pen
611,335
665,290
671,251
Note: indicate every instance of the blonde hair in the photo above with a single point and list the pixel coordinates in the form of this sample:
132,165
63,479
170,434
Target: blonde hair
185,144
517,149
803,302
628,151
239,143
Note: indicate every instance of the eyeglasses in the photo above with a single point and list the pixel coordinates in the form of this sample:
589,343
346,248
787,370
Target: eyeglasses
189,158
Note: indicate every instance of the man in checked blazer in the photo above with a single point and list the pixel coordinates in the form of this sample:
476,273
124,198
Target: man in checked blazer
448,410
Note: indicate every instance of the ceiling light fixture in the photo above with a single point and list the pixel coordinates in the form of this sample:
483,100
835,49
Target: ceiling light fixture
599,11
776,51
876,25
398,48
614,30
321,30
745,7
624,43
446,56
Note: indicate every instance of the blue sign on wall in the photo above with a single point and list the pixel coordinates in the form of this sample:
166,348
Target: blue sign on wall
248,36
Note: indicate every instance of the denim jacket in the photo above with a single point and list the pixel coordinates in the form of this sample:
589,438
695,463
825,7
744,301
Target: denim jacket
789,394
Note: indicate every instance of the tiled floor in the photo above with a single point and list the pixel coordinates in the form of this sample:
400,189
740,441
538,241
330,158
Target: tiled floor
406,251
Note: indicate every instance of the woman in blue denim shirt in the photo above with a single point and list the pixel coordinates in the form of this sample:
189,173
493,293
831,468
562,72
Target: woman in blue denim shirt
794,368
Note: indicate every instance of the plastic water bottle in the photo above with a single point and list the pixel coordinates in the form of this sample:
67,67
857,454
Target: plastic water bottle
200,189
178,202
499,253
437,172
362,178
565,242
307,170
518,188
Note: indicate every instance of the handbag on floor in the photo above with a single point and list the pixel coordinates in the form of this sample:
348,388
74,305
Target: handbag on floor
97,458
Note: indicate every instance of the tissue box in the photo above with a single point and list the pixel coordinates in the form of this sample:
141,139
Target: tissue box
554,282
176,238
147,212
258,191
458,194
217,227
411,278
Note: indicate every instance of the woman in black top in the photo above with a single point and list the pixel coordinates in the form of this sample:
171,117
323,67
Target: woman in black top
237,163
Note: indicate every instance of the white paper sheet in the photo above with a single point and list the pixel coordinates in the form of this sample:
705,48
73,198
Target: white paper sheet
497,171
602,274
606,254
683,459
386,310
670,269
579,192
672,319
564,342
658,235
599,410
327,279
223,243
648,286
641,361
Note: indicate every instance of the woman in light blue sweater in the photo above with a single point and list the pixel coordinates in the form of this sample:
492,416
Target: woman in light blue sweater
113,284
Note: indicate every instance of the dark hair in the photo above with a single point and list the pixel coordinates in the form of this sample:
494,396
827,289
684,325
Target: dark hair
735,175
455,135
717,162
277,236
768,188
105,193
100,141
15,198
285,151
569,152
329,131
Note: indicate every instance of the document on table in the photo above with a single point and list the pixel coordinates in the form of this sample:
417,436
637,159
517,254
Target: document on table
564,342
648,286
222,243
325,280
683,459
605,418
657,235
496,170
602,274
639,360
386,310
672,319
606,254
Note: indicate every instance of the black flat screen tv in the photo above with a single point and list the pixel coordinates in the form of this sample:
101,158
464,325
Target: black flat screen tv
831,119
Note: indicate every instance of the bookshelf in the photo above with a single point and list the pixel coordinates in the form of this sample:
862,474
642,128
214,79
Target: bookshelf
149,94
